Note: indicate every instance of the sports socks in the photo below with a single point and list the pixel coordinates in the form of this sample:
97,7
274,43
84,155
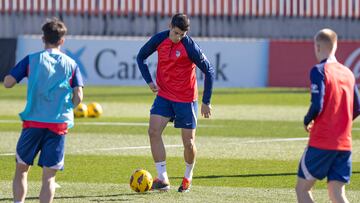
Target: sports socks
189,170
161,169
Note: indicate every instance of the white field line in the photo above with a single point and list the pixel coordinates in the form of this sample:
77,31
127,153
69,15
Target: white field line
7,154
112,123
126,148
275,140
110,149
178,146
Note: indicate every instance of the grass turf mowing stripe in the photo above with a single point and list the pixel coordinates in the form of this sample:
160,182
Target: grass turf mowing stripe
90,192
223,128
228,96
173,146
233,112
113,124
208,172
208,147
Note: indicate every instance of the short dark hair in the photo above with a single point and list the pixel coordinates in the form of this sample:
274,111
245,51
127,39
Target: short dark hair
53,30
181,21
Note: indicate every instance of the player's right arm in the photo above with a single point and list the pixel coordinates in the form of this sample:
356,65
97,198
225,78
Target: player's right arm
77,95
17,73
145,51
77,84
9,81
317,96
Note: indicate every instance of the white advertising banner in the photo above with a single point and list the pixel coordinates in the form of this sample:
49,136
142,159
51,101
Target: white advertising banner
112,61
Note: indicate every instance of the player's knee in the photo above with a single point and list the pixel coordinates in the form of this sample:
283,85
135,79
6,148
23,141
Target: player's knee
337,194
153,133
22,168
190,145
298,190
301,189
338,198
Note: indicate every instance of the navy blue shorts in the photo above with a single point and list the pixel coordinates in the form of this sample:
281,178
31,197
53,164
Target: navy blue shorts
318,164
184,114
51,145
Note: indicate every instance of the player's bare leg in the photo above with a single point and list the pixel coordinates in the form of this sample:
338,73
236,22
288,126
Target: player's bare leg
157,125
20,184
303,190
48,185
336,191
188,138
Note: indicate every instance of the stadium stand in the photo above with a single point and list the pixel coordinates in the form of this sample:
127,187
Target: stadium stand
210,18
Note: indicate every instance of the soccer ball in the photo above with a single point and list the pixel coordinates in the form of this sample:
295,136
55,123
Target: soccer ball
81,111
94,109
141,180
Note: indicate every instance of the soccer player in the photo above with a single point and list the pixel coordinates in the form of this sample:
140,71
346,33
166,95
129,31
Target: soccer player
54,88
176,88
334,105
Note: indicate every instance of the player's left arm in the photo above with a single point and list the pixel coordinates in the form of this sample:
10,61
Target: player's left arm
77,84
198,57
317,96
356,105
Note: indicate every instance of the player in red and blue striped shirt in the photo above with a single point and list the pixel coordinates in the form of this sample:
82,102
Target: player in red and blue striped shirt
177,93
335,103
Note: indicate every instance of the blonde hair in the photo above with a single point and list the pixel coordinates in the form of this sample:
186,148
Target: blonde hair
327,37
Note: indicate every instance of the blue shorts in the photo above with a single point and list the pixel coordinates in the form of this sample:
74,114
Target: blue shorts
318,164
184,114
51,145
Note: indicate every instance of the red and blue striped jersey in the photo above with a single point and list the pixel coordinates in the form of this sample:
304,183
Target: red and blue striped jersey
334,104
176,74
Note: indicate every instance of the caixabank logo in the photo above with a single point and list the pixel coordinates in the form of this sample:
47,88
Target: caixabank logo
353,62
76,56
127,68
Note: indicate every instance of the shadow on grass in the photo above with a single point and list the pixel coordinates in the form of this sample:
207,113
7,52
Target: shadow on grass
261,91
93,198
245,175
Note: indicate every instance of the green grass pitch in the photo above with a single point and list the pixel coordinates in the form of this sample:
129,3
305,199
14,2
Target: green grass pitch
247,152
